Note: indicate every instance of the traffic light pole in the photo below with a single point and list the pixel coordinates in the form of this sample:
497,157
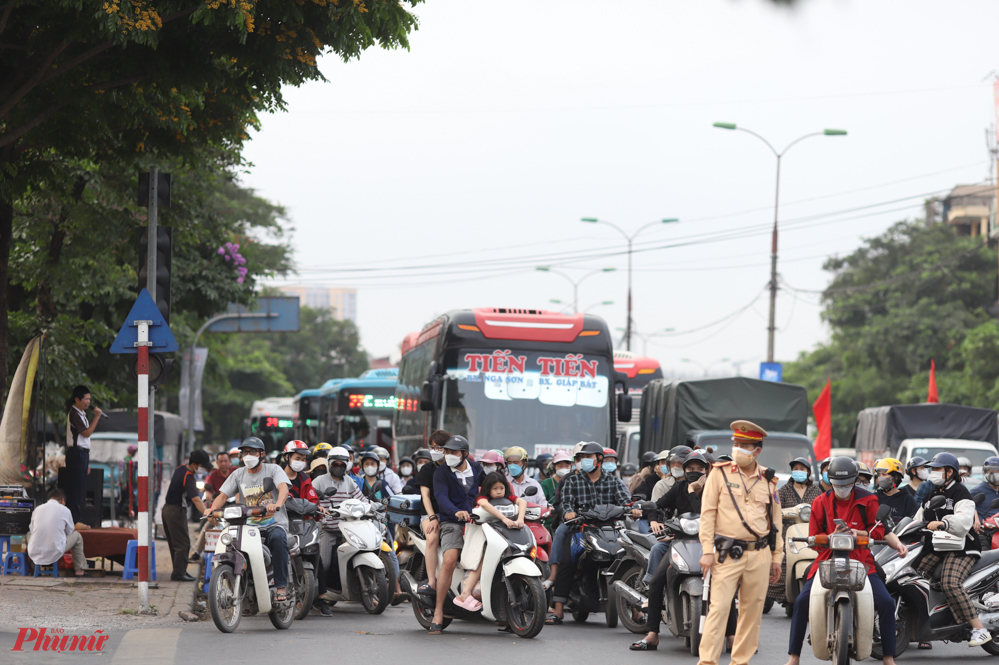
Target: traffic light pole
147,416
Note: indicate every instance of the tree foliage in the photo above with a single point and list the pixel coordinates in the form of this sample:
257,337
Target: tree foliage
912,294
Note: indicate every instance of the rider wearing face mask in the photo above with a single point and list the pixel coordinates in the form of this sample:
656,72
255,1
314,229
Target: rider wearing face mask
372,486
956,517
295,454
424,482
824,475
386,473
916,469
492,462
406,469
990,488
561,467
889,476
516,466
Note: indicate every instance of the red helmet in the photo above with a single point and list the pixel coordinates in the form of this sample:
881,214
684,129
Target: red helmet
610,452
296,446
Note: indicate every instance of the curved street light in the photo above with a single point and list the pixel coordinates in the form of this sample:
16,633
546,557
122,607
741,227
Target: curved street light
773,250
575,282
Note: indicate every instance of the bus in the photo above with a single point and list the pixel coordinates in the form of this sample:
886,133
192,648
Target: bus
359,411
307,416
509,377
272,420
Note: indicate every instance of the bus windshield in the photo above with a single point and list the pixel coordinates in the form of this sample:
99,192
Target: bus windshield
367,417
540,401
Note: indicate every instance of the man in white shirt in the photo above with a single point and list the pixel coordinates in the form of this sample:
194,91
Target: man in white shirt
78,431
51,534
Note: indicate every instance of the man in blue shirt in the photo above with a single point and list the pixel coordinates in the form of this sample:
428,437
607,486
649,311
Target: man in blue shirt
456,484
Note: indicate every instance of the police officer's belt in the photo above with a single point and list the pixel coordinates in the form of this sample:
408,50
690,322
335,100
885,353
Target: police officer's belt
726,546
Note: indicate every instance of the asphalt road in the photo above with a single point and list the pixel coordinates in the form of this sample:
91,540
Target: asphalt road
351,635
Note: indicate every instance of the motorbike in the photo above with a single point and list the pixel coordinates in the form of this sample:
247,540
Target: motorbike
629,588
511,589
242,575
303,550
596,548
798,557
360,573
991,526
922,613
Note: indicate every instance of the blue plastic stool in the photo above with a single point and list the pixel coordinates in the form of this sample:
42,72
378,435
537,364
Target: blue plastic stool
19,565
207,559
131,560
53,570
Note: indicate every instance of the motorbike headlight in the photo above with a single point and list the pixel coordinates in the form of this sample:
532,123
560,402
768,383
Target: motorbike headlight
594,543
232,513
841,541
357,511
355,540
690,527
226,538
678,561
805,513
892,567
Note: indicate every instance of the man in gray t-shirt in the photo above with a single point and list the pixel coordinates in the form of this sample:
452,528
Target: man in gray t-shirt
247,482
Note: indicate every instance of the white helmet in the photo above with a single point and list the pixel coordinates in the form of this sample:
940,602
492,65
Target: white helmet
561,456
576,448
339,454
964,461
381,452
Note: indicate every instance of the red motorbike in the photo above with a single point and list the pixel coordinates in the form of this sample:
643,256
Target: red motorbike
533,517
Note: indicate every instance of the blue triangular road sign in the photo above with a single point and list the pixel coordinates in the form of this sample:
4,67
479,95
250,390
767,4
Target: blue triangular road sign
160,335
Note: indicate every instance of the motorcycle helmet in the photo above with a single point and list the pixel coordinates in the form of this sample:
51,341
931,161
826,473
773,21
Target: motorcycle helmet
349,448
965,464
542,461
490,457
339,454
824,463
456,443
990,468
679,453
843,472
560,456
663,456
801,460
943,460
648,459
296,446
591,448
422,454
864,473
381,452
516,453
321,450
610,452
697,456
913,464
889,472
253,443
725,458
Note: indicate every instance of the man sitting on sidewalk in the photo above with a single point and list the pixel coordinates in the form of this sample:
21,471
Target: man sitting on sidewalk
52,534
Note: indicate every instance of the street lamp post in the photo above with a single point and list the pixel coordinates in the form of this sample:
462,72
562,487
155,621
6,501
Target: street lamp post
647,336
773,249
575,282
630,239
706,368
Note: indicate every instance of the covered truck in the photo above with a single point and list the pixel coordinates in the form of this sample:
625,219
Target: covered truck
700,411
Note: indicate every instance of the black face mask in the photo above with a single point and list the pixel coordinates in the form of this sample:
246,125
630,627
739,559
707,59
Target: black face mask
338,471
693,476
315,474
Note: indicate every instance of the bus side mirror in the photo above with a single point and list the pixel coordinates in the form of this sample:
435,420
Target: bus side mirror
623,407
430,395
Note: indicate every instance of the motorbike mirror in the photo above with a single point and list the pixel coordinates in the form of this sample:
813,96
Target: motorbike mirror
639,497
330,491
994,504
979,499
884,512
531,491
649,505
268,484
937,502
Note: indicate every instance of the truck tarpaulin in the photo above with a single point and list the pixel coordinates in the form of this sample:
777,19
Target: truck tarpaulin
670,409
883,428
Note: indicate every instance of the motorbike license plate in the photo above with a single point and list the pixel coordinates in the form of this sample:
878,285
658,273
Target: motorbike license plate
212,539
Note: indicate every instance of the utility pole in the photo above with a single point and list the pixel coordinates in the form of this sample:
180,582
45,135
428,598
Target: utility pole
147,466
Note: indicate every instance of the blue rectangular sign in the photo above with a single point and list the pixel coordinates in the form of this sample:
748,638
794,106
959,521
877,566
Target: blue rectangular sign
283,317
772,372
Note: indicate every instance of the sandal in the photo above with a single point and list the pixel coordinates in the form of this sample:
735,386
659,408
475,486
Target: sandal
553,620
397,599
925,645
280,597
642,645
469,604
436,629
426,590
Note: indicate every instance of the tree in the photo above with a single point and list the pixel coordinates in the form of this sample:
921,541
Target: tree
98,83
912,294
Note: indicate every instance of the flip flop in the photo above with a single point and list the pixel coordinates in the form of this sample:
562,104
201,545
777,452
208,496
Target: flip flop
426,590
642,645
553,620
925,645
435,629
397,599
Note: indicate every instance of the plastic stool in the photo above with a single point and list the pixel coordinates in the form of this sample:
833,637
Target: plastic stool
19,565
131,567
53,571
206,558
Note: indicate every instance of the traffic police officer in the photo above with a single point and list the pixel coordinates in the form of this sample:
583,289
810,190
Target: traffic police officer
739,511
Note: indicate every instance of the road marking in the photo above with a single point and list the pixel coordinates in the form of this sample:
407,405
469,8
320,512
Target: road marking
148,646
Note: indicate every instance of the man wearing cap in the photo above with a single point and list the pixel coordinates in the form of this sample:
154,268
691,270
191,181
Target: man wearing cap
739,511
183,485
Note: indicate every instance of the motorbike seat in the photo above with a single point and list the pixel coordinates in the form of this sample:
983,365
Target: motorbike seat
646,540
987,559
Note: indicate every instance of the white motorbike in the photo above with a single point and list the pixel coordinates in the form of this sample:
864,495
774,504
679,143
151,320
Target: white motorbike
362,574
511,589
242,575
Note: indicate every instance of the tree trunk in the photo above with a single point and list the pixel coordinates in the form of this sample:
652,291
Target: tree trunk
6,233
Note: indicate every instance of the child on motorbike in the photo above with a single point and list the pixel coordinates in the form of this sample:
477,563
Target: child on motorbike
495,486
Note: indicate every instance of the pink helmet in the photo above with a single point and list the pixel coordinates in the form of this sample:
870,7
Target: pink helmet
491,457
562,456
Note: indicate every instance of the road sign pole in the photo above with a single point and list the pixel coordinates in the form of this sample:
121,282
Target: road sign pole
143,394
151,268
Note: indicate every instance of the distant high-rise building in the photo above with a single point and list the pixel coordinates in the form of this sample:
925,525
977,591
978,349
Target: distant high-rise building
342,302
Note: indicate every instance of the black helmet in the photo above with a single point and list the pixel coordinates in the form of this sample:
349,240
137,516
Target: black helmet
422,454
725,458
801,460
252,442
696,456
629,469
709,458
824,463
843,471
456,442
679,453
542,460
406,459
912,464
648,458
347,447
591,448
369,454
941,460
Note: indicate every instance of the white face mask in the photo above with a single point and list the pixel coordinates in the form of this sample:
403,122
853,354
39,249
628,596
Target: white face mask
370,470
297,466
922,474
842,493
677,472
452,460
488,468
437,455
562,473
251,461
743,457
992,478
405,470
937,477
420,465
382,466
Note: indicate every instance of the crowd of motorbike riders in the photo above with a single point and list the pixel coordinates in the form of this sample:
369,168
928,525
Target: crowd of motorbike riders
935,505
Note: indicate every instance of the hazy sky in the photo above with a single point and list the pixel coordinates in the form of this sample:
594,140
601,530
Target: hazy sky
440,177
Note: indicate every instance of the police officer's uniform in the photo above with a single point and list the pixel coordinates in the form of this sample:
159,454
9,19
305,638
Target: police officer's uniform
724,531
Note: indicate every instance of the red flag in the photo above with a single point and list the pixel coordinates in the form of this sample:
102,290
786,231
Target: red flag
823,421
931,395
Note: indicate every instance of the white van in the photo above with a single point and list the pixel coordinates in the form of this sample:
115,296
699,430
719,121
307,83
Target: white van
976,451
